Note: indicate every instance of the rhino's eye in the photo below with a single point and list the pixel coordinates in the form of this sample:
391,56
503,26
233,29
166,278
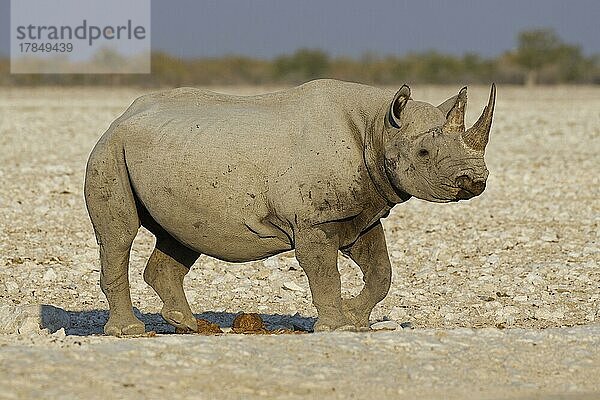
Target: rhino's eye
423,153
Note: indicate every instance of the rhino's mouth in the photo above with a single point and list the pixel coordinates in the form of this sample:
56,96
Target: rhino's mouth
401,193
464,194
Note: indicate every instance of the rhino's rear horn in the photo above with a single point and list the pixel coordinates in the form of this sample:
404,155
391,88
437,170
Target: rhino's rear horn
455,118
478,135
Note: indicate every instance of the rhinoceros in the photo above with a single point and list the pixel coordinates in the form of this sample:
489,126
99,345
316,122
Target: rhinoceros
312,169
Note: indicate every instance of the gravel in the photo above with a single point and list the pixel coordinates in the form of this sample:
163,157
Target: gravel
506,279
458,363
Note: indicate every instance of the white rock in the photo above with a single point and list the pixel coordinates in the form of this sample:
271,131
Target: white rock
493,259
271,263
506,315
549,237
591,317
60,333
385,325
12,287
435,252
398,313
521,298
24,319
50,275
397,254
550,314
218,280
534,279
292,286
450,316
29,325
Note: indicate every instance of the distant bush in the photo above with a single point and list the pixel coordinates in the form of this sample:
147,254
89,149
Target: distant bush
304,64
545,58
540,57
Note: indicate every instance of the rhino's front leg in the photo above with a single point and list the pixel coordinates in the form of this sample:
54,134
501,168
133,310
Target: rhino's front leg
370,253
316,253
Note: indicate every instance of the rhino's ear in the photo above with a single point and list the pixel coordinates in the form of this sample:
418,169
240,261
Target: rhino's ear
400,99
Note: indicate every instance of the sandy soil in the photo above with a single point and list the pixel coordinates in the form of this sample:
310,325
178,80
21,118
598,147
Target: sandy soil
502,292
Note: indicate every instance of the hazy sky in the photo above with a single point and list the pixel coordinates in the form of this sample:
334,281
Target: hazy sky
265,28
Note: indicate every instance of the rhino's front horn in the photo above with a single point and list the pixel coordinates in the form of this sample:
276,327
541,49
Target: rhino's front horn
455,119
477,136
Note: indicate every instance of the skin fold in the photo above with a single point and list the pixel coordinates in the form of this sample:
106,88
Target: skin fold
312,169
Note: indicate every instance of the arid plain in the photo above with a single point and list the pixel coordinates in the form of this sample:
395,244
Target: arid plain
496,297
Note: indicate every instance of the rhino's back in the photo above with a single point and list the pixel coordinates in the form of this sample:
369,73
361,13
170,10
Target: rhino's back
225,174
255,127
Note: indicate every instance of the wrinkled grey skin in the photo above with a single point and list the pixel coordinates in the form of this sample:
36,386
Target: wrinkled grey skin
313,169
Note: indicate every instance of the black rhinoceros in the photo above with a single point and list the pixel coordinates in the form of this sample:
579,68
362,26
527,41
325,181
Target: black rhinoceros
313,168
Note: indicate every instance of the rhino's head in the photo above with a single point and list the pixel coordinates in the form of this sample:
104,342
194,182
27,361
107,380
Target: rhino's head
429,154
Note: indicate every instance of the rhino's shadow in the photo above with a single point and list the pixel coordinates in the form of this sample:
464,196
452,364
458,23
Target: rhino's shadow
84,323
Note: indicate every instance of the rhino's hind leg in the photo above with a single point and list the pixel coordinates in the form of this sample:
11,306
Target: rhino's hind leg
114,282
113,213
165,270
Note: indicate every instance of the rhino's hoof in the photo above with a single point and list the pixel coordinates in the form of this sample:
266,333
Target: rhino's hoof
359,318
178,320
124,329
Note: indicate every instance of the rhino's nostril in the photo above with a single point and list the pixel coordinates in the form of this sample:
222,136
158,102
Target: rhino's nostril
467,184
463,182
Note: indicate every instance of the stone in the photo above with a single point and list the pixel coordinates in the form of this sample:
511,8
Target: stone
50,275
60,333
12,287
292,286
398,313
551,237
27,319
397,254
521,298
493,259
550,314
384,325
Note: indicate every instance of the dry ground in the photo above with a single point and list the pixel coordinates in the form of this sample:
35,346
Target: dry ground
490,285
